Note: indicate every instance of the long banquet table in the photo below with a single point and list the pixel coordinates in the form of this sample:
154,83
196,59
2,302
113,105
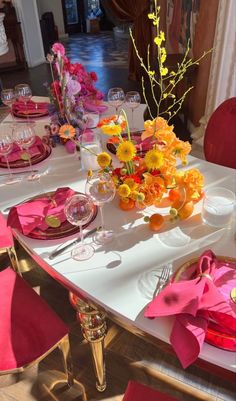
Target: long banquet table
107,284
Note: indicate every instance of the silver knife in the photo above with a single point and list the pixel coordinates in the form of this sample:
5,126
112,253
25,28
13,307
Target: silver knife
18,173
64,248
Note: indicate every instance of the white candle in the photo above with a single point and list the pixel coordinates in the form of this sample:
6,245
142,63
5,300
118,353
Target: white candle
218,209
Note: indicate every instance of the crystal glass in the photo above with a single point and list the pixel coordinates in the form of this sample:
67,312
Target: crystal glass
91,119
6,146
116,97
132,100
8,97
24,136
89,149
101,188
79,210
24,94
218,207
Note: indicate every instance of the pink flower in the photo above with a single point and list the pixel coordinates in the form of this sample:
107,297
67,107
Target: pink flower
59,49
93,76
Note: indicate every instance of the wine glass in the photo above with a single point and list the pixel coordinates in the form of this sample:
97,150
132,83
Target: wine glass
24,94
101,188
132,100
116,97
6,146
79,210
24,136
8,97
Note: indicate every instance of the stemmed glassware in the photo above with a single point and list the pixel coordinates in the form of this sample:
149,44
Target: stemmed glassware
101,188
24,136
6,146
24,94
79,210
132,100
116,97
8,97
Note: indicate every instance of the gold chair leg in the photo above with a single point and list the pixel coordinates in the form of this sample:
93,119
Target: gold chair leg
67,360
93,326
13,259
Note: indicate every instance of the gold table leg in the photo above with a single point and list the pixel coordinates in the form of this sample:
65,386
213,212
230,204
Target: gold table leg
94,329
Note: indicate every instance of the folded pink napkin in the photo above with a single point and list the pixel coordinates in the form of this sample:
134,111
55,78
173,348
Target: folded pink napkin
29,215
35,149
194,302
6,238
91,106
31,107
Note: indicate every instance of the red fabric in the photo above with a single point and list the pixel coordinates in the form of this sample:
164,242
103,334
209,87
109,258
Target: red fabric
28,326
16,152
6,237
139,392
220,135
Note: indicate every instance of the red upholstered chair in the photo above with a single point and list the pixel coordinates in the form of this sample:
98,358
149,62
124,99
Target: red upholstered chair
138,392
220,135
29,328
7,243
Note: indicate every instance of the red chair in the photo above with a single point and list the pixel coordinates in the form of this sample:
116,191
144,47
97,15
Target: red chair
29,328
220,135
139,392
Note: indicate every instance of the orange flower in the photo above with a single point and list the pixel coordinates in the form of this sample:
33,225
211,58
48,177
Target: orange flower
67,131
106,121
156,126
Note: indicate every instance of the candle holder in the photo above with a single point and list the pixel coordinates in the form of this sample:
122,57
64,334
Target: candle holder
218,207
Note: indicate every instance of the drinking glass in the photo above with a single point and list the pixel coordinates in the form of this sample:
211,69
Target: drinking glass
24,136
101,188
132,100
89,149
8,97
218,207
24,94
6,146
91,119
116,97
79,210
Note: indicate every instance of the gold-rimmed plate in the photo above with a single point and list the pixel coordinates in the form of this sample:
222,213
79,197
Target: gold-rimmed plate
44,151
64,230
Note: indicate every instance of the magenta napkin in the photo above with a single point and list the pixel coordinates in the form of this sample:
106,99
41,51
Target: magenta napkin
194,302
30,108
29,215
16,152
6,238
90,106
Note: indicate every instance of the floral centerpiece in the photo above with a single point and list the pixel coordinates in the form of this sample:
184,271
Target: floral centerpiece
71,88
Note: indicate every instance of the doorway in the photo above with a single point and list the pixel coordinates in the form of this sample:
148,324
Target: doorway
74,16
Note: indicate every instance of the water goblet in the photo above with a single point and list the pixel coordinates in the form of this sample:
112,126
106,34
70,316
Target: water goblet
101,188
79,210
8,97
24,94
24,136
116,97
132,100
6,146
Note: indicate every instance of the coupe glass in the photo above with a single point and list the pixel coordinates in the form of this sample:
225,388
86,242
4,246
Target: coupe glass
79,210
24,136
116,97
24,94
101,188
132,100
6,145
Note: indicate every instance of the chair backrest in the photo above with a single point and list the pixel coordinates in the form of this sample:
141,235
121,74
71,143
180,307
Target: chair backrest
220,135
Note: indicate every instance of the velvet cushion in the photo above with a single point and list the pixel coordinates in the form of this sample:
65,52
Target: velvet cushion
220,135
6,237
138,392
28,326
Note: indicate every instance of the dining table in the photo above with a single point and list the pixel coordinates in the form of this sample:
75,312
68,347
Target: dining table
111,284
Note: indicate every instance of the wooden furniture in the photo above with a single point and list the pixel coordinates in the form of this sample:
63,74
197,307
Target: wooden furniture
15,58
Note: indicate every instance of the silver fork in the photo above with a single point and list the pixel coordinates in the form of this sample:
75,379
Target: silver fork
162,279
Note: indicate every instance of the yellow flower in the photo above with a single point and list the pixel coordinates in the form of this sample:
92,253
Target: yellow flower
154,159
104,159
111,129
158,41
124,191
163,71
151,15
67,131
131,183
126,151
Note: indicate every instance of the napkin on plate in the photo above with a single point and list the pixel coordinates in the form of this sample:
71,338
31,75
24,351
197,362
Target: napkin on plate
16,152
194,302
6,237
31,108
90,106
29,215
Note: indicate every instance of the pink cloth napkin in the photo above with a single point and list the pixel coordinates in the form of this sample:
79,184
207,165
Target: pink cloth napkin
30,108
194,302
17,152
27,216
90,106
6,238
